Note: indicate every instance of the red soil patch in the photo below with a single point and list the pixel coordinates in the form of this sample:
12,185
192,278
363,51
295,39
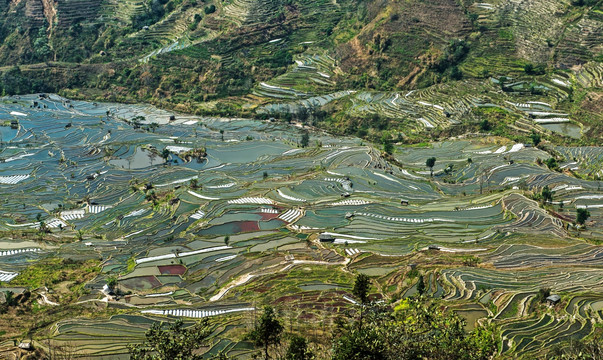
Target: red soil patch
172,269
248,226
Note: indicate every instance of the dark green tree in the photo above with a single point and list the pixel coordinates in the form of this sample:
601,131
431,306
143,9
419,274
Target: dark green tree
542,294
535,138
267,331
582,215
421,285
174,342
430,163
388,147
165,154
551,163
547,194
112,282
41,48
210,9
456,73
9,298
361,288
298,349
305,139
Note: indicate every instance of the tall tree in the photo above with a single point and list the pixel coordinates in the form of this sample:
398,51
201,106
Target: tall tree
360,291
165,154
430,163
267,331
172,343
361,288
582,215
535,138
421,285
547,194
305,139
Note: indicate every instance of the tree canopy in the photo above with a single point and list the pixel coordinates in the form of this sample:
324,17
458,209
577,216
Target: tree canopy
298,349
430,163
174,342
267,331
582,215
361,288
413,330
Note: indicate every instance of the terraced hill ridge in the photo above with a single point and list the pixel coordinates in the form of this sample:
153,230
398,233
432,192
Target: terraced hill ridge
379,68
273,150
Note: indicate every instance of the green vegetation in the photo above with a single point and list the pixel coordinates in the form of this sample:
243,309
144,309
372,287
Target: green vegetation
582,215
547,195
579,349
267,331
413,329
430,163
53,271
233,68
298,349
178,241
172,342
421,285
305,140
543,294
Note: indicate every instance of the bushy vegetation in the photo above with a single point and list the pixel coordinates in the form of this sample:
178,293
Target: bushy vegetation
154,11
582,215
53,271
413,329
174,341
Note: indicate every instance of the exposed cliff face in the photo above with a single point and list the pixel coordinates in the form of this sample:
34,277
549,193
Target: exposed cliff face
50,11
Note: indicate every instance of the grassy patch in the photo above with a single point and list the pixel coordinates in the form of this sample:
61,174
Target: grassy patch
51,272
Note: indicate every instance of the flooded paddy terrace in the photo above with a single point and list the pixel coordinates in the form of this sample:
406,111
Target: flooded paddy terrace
217,236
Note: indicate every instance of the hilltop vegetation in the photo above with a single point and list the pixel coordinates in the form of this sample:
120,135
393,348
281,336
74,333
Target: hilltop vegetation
301,58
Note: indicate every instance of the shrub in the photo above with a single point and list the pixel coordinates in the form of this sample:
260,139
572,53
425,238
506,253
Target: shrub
582,215
542,294
210,9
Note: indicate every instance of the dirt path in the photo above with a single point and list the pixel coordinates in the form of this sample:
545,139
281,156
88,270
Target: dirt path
48,302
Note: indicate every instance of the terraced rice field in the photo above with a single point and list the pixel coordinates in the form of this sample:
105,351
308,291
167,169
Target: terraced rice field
218,236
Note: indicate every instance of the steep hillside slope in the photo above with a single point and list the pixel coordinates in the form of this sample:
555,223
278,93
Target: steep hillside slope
305,59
